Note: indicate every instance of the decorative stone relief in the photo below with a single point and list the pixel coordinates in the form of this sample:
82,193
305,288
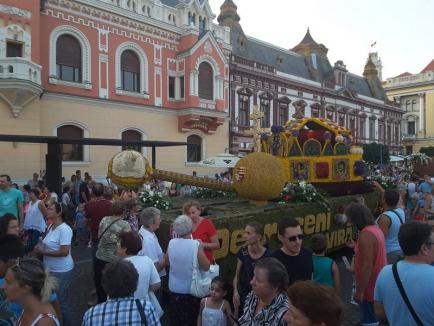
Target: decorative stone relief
15,11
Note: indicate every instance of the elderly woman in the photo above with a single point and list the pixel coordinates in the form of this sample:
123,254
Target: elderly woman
108,236
313,304
268,302
28,284
150,220
184,308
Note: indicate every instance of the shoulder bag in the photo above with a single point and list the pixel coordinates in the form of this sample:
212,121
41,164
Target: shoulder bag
404,295
141,312
201,280
106,229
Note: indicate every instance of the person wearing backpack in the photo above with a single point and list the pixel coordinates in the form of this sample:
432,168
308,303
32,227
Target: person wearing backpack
389,222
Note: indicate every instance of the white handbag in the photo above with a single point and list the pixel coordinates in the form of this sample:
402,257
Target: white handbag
201,280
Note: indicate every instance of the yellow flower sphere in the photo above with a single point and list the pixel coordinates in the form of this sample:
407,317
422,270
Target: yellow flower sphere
259,176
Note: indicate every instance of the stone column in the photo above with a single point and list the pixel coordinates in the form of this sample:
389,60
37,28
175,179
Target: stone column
421,113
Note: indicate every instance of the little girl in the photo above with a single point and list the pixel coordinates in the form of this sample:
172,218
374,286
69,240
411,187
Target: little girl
215,310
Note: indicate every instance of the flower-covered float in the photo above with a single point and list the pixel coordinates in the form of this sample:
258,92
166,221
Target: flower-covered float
317,151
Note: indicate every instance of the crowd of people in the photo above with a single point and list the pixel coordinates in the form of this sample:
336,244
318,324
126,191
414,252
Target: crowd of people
137,281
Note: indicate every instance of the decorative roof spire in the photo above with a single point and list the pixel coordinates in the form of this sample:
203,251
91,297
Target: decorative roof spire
308,46
308,39
228,14
370,69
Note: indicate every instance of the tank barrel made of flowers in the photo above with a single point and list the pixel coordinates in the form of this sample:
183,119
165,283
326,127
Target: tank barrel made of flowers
308,150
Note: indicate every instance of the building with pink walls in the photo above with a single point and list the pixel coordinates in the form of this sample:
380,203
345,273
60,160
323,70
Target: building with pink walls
125,69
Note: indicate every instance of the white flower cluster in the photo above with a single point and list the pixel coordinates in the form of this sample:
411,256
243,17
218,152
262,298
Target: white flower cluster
150,198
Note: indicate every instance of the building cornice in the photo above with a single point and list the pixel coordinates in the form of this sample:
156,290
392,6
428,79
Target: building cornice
119,11
110,104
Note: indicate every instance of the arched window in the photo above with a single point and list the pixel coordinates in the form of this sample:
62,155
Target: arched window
71,152
194,148
130,71
132,135
68,59
206,84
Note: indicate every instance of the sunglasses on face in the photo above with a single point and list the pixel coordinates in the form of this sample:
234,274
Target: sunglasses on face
295,237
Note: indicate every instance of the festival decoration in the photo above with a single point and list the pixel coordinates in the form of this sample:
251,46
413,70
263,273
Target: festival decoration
263,178
300,191
150,198
205,193
129,169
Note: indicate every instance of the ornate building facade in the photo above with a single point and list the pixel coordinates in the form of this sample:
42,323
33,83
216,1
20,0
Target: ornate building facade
121,69
283,81
415,95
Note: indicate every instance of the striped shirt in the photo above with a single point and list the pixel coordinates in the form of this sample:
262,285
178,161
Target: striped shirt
120,312
271,315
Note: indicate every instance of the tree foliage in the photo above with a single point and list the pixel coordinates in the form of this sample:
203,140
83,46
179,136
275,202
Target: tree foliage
376,153
429,151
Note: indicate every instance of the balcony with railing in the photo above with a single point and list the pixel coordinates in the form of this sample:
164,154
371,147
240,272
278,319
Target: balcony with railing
21,69
20,82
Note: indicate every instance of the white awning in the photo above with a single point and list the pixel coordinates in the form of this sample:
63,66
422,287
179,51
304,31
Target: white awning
220,161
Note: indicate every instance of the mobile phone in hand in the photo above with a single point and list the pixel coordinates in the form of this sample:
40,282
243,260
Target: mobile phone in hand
346,262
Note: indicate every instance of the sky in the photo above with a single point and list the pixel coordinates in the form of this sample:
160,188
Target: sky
402,29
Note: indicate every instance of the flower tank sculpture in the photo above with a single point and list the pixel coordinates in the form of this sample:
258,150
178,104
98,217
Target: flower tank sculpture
313,150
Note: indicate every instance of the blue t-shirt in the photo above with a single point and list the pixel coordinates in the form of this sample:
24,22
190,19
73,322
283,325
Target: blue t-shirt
418,283
323,270
425,187
79,220
9,201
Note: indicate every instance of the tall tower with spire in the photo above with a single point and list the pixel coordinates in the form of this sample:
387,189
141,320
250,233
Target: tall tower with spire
376,60
371,74
228,15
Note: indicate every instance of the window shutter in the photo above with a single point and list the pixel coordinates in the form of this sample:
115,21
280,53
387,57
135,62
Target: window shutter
132,135
194,148
71,152
130,61
68,51
206,82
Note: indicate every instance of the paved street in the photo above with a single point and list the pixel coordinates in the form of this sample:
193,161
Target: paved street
82,285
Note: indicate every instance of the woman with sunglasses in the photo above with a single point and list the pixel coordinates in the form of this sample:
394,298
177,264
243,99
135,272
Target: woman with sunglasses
56,251
29,285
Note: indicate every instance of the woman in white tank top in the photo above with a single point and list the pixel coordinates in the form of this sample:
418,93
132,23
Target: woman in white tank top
183,308
34,221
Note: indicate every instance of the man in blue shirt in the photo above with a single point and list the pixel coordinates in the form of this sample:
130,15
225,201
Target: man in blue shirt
416,274
427,185
11,199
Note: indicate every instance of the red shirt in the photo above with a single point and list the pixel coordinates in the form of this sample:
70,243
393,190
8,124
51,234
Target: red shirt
95,212
379,260
205,231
